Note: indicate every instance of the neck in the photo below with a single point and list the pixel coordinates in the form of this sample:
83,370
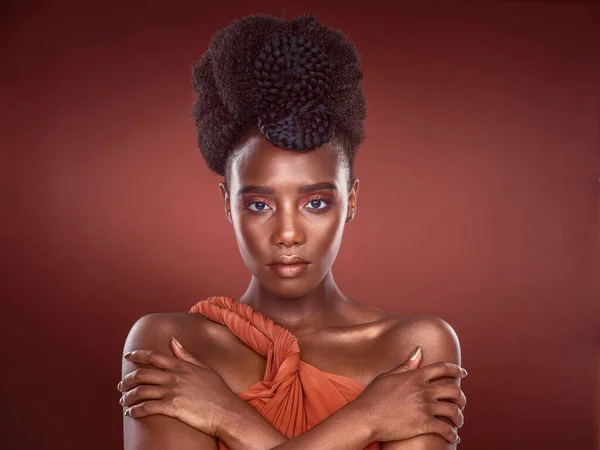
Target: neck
301,315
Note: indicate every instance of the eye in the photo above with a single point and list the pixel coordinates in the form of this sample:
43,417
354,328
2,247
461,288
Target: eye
315,202
261,206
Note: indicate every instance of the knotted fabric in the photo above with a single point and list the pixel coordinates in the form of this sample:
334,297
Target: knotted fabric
293,396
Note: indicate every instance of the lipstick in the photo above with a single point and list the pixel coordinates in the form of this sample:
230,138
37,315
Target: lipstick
288,270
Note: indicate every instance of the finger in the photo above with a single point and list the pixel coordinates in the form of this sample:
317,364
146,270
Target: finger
451,411
452,392
154,358
412,361
144,376
444,429
150,408
442,369
142,393
184,355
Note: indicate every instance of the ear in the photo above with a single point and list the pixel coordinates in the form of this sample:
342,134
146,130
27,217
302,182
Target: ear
224,190
352,199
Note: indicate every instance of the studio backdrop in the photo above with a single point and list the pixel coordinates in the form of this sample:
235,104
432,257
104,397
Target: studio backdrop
478,201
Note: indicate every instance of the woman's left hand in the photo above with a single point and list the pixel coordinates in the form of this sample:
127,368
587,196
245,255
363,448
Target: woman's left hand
181,387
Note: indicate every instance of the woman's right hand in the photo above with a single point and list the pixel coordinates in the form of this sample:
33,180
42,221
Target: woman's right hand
402,403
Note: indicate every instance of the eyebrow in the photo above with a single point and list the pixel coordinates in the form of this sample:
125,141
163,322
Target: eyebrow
265,190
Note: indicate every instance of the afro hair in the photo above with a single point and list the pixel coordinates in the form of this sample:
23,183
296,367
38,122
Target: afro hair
297,81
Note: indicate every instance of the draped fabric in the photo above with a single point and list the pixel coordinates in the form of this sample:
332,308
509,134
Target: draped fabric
293,395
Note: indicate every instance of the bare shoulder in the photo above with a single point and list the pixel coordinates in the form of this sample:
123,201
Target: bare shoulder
212,343
154,332
436,337
439,343
152,329
406,332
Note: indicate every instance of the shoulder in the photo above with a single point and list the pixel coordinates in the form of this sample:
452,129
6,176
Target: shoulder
211,342
155,331
436,337
155,328
156,324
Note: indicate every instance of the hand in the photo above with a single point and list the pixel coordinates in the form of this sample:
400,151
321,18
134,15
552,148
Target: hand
402,403
180,387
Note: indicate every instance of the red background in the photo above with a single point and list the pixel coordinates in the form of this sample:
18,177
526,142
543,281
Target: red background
478,202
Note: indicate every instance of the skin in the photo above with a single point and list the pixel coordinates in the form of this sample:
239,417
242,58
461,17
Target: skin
335,333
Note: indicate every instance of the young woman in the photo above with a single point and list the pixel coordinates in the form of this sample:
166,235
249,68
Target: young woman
293,363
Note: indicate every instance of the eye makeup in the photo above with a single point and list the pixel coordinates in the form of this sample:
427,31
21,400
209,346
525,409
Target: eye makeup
325,204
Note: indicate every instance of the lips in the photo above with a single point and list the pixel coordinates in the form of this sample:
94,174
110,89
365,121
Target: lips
288,259
289,270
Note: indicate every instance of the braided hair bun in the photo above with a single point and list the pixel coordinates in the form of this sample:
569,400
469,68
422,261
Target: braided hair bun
297,81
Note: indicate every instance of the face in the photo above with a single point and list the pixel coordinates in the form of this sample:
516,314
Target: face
284,202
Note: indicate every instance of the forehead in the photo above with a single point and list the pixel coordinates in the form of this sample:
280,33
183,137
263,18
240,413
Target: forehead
257,161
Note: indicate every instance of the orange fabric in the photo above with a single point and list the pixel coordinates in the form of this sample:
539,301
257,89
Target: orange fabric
293,395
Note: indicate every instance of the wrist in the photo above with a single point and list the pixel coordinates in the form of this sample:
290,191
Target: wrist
232,419
344,429
361,419
242,427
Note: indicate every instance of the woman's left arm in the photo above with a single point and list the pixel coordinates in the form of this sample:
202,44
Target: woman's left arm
439,342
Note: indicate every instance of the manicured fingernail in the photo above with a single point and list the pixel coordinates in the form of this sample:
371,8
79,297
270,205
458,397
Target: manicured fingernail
177,342
128,412
119,386
415,354
127,355
122,400
464,371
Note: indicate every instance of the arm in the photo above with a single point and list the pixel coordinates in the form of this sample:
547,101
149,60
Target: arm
440,343
158,432
343,430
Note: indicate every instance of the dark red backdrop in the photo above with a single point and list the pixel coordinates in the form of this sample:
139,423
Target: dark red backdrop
478,202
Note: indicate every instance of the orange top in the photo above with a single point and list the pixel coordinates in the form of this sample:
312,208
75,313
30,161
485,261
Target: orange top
293,395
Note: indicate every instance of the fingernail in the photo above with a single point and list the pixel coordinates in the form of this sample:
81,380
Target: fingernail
415,354
128,412
177,342
127,355
122,400
458,439
464,371
119,386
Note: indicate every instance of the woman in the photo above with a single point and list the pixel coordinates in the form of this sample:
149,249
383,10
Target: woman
280,113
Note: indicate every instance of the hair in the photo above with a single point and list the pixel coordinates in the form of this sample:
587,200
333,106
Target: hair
296,81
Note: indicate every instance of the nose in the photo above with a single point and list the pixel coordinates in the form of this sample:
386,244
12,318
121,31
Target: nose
289,230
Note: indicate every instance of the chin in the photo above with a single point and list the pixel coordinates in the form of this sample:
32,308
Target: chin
291,289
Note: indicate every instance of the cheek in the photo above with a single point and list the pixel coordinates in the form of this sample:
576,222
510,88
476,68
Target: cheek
251,234
327,231
332,238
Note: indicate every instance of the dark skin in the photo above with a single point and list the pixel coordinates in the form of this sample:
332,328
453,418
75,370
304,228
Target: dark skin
335,333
